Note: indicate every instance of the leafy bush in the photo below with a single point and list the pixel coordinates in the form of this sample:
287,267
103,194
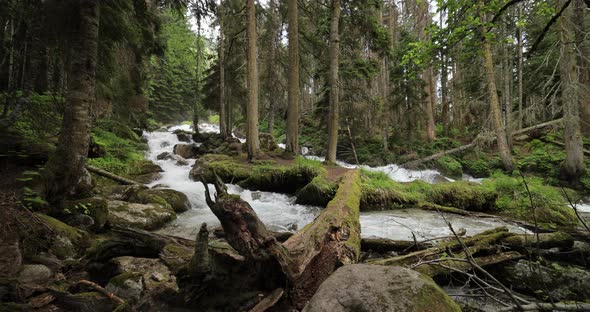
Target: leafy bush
450,166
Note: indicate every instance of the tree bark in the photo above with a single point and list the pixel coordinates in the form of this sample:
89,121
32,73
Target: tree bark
293,88
252,109
519,70
584,64
223,124
308,257
573,167
334,114
66,166
503,148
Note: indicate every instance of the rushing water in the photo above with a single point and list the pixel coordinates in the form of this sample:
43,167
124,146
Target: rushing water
280,213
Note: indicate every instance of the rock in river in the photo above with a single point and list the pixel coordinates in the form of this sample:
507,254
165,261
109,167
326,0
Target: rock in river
143,216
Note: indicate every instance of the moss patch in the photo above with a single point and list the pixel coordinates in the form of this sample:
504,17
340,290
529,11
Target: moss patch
318,192
449,166
464,195
379,192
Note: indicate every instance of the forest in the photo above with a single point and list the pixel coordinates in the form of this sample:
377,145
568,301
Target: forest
296,155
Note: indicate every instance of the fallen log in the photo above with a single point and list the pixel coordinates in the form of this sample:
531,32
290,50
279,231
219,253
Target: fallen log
559,306
308,257
415,163
476,243
382,245
545,240
112,176
448,266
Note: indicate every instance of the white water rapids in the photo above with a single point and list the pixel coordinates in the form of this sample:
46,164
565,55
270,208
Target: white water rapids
279,212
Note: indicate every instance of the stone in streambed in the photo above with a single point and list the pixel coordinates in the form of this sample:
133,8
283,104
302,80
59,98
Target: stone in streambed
361,287
128,285
186,150
142,216
34,273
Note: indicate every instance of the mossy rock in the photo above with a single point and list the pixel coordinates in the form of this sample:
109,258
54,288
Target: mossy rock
449,166
127,285
379,192
176,200
464,195
318,192
142,216
95,207
379,288
76,236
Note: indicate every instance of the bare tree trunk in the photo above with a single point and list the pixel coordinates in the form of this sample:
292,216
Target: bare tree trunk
198,81
503,148
223,118
444,94
508,92
573,167
293,89
67,175
333,117
519,70
273,28
584,64
252,109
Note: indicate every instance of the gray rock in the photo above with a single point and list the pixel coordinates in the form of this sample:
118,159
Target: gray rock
86,302
559,282
63,248
183,137
127,285
165,155
186,150
164,144
372,288
34,273
143,216
80,220
181,162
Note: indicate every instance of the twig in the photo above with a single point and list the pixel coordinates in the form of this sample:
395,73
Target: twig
103,291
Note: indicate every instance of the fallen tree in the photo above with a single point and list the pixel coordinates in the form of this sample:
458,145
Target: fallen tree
475,142
112,176
307,258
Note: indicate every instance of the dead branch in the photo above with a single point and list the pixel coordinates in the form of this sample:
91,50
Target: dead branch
112,176
100,289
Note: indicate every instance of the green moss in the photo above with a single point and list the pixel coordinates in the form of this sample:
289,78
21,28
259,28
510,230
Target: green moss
122,157
548,204
318,192
76,236
379,192
464,195
119,280
172,199
95,207
433,298
449,166
14,307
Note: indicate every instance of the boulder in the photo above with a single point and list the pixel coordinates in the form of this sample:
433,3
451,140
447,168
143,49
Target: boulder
34,273
94,207
165,155
145,171
63,241
154,272
143,216
176,200
186,150
183,137
361,287
556,281
128,285
182,162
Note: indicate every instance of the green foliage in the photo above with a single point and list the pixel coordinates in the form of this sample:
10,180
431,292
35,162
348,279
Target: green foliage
542,158
214,119
121,153
548,204
449,166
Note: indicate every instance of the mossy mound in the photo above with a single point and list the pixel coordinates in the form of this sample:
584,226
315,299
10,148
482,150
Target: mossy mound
54,236
449,166
318,192
95,207
265,175
379,192
548,204
464,195
176,200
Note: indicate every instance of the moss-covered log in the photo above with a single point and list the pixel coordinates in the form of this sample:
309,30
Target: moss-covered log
476,243
544,241
307,258
382,245
450,266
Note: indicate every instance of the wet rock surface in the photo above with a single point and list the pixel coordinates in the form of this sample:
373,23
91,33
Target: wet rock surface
142,216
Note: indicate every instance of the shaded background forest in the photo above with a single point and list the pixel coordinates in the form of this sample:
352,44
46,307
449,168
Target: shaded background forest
412,79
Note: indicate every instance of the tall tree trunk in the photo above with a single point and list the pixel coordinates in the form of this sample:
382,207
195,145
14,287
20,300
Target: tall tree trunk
67,175
584,64
519,70
508,93
429,104
252,109
333,117
444,93
573,167
223,118
503,148
198,81
293,88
